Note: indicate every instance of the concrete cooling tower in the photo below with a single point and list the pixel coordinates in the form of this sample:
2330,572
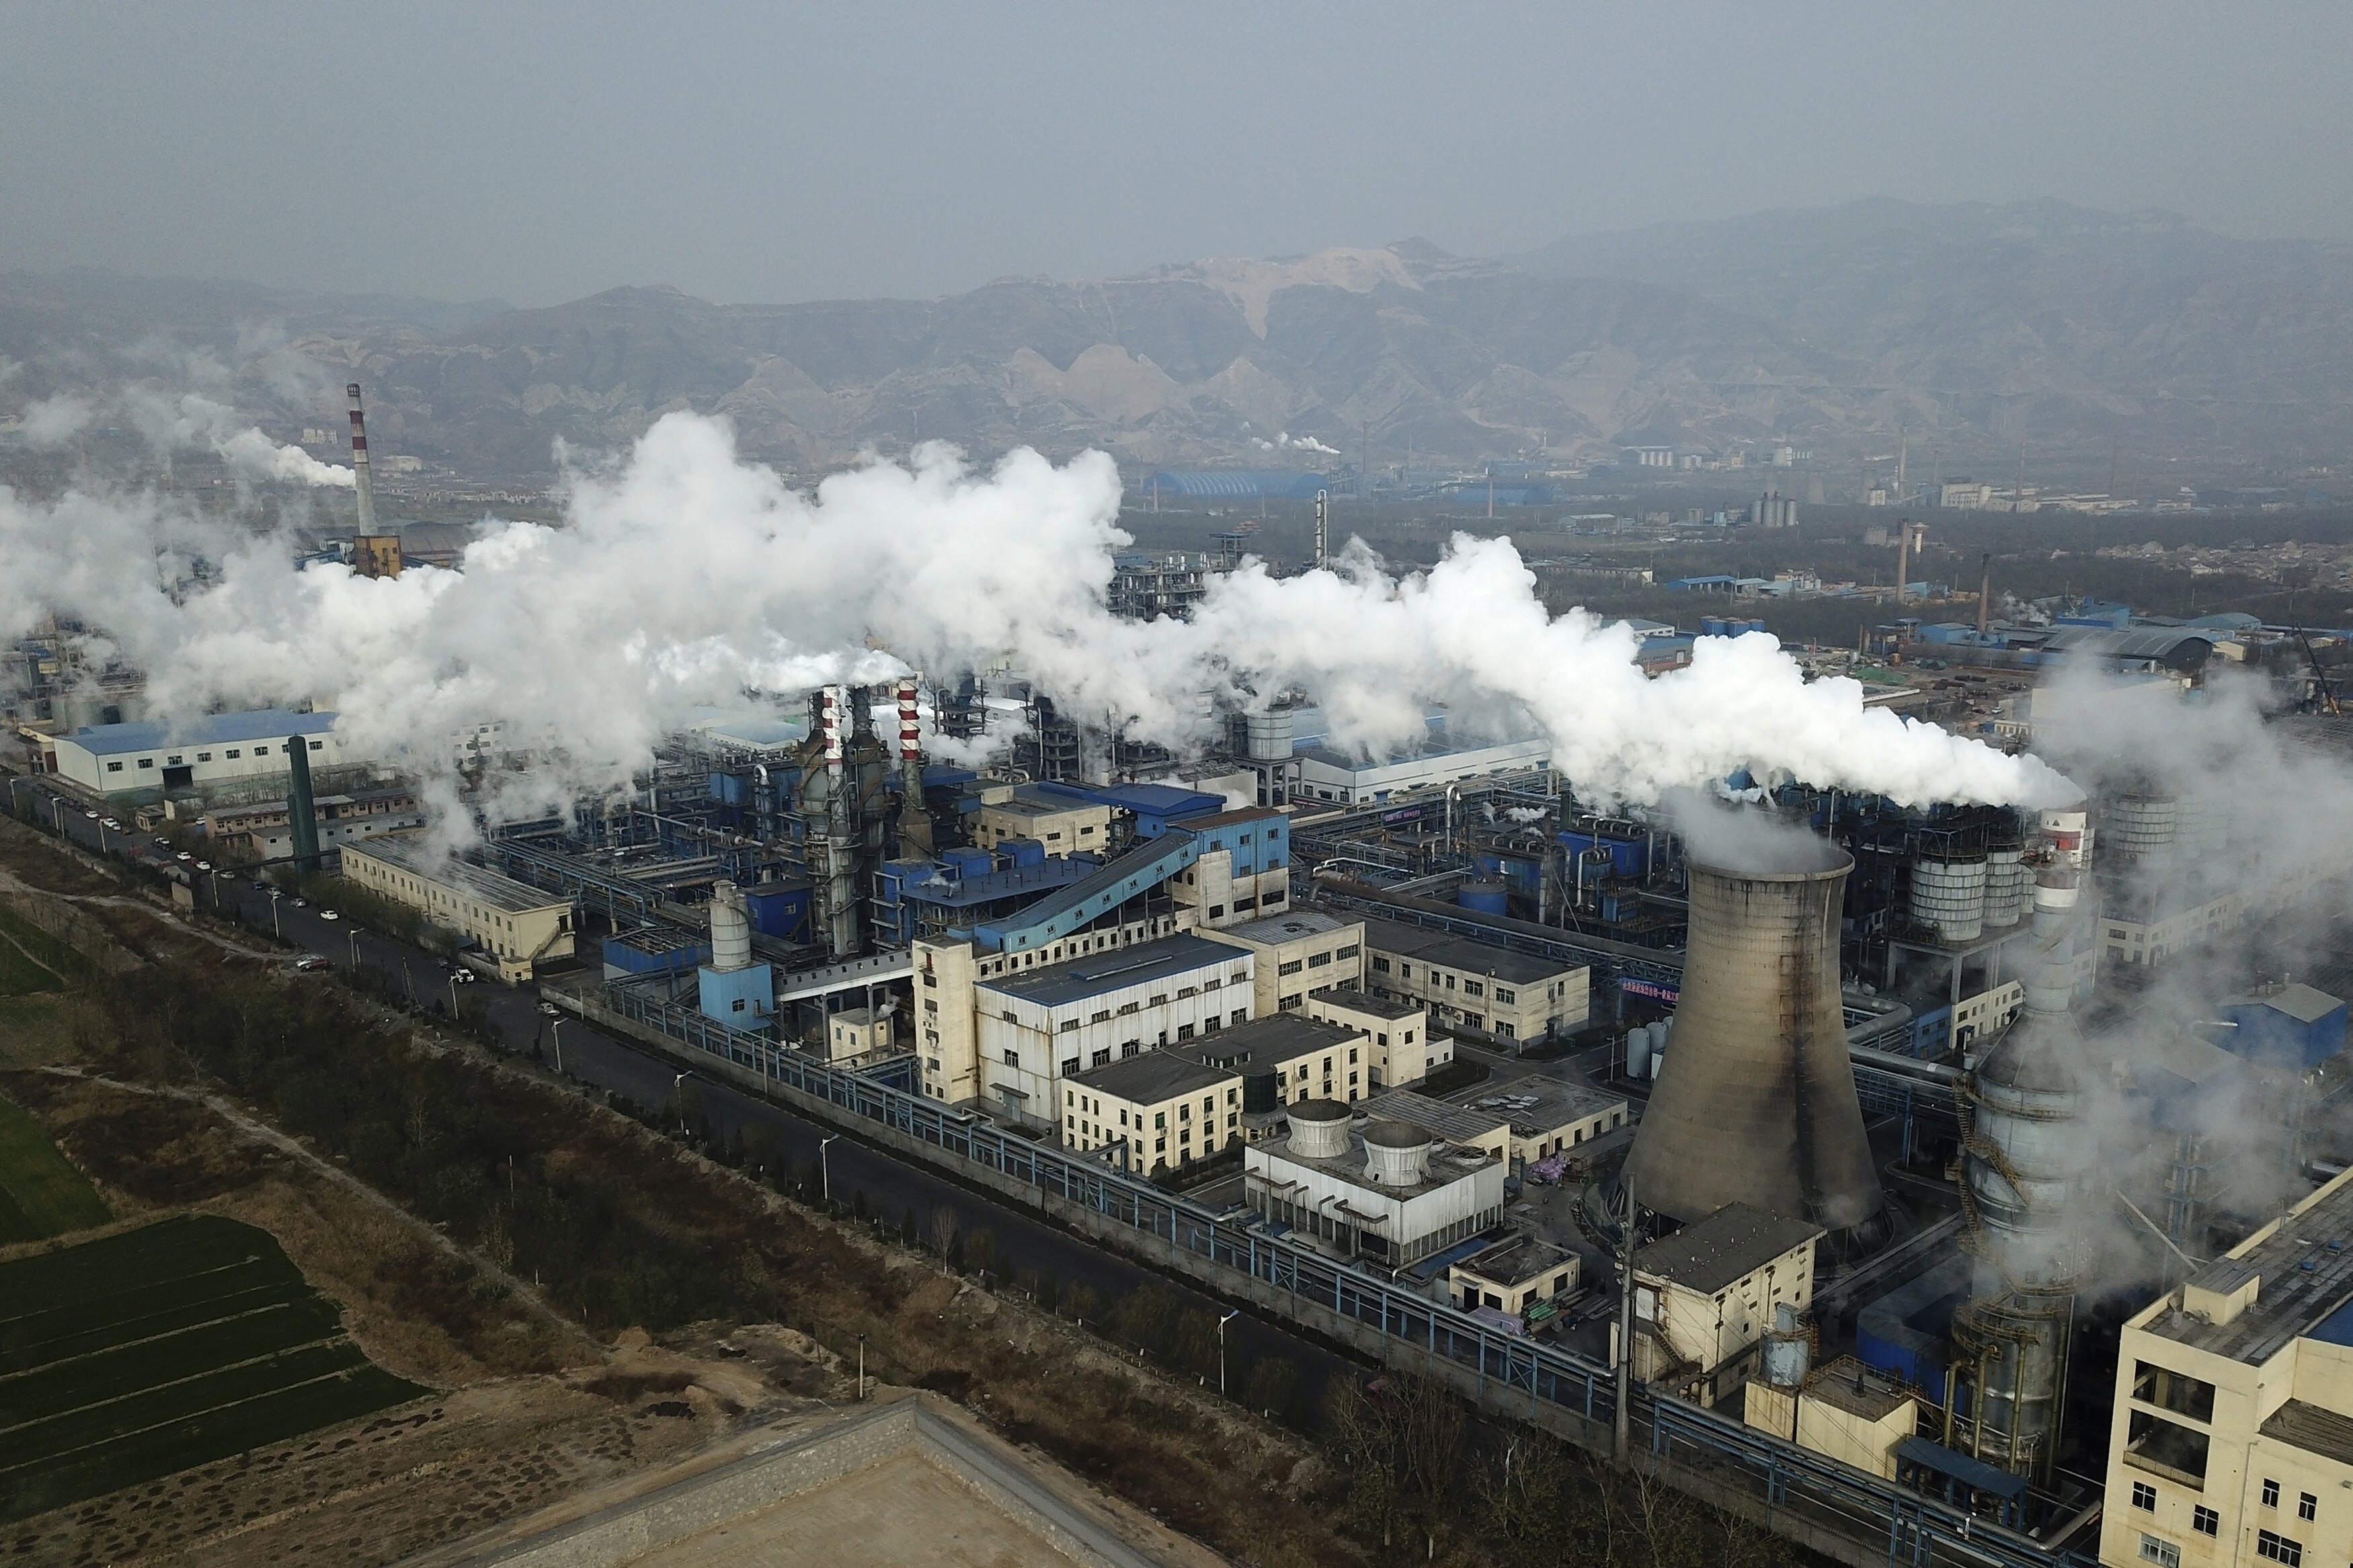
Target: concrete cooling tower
1755,1102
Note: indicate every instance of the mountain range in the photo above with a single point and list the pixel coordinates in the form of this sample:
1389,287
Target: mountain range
1985,328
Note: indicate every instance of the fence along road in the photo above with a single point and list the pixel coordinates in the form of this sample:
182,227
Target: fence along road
1844,1513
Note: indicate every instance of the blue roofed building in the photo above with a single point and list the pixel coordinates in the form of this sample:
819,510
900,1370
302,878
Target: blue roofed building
1233,484
212,754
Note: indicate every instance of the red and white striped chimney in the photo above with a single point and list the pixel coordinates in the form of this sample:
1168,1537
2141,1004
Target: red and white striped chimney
360,477
911,729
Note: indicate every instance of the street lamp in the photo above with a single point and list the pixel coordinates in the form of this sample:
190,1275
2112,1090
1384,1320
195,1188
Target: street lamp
1228,1318
556,1029
453,995
861,1368
824,1167
353,934
678,1092
274,928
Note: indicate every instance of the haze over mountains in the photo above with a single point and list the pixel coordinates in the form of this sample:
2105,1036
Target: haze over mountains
1983,328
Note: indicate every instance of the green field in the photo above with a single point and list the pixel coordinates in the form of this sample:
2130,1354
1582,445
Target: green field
40,1194
32,961
135,1355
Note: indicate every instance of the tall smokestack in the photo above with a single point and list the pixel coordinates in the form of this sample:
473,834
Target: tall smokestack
914,823
1755,1102
1985,590
302,812
1322,538
361,481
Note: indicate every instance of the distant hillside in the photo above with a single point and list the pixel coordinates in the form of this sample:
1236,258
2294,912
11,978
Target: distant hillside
2036,322
1982,328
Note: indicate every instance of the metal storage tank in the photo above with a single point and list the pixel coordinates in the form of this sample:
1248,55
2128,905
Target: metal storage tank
2142,827
1267,736
730,928
1486,896
1638,1051
2005,887
1788,1350
1760,1105
1950,894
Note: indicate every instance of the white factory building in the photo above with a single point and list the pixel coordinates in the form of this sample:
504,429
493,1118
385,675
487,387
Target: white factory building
217,752
1324,774
1388,1191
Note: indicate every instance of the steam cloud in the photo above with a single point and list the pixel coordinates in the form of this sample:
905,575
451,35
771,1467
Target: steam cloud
684,575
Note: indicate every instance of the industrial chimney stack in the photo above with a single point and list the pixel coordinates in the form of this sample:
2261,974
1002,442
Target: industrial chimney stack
1756,1103
361,480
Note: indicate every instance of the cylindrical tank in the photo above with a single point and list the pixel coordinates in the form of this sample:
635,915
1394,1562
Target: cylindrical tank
730,928
2143,827
1268,735
1950,896
1396,1153
1638,1051
1788,1350
1757,1103
2005,887
1319,1128
1486,895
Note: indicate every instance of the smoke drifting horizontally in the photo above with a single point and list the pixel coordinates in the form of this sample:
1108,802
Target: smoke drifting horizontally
685,576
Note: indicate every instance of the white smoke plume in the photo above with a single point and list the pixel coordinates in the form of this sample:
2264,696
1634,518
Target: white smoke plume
683,575
174,422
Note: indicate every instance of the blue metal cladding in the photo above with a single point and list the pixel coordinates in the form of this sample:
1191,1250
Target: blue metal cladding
1828,1493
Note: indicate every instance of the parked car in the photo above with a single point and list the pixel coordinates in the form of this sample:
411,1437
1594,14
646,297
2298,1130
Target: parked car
92,815
183,855
463,975
329,915
109,822
311,963
163,844
551,1009
204,865
301,903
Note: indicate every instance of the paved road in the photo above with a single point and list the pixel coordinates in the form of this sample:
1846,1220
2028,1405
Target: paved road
602,1061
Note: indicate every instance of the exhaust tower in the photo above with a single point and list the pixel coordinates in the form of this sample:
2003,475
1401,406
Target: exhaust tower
1756,1103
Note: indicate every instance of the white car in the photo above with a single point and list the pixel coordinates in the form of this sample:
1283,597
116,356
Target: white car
329,915
204,865
551,1009
109,822
463,976
92,815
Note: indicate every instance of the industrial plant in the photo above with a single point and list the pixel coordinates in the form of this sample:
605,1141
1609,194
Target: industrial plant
1981,1163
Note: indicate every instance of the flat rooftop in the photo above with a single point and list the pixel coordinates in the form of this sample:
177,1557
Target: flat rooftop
1461,953
407,852
1514,1262
1297,926
2303,1268
1533,1104
1449,1164
1152,1076
1279,1037
1365,1002
1099,974
1734,1242
1450,1122
213,729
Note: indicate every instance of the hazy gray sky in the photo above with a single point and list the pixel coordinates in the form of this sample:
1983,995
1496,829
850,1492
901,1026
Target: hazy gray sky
774,152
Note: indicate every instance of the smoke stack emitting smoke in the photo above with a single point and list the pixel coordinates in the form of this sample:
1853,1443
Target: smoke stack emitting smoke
685,576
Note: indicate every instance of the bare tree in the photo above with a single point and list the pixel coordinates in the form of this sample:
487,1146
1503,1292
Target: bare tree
944,1230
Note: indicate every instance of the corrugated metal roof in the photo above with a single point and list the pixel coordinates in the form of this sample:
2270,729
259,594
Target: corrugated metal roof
256,724
1237,484
2167,645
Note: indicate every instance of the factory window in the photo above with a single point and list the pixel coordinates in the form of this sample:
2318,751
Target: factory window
1450,982
203,756
2144,1496
1129,1048
1472,988
1292,967
1380,964
1127,1006
1069,1064
173,761
1349,951
233,754
1100,1058
1160,1001
2271,1493
1185,1112
2308,1507
930,978
1101,1017
1352,1056
1160,1120
2171,1390
1242,1015
114,767
1505,1030
1013,1059
1288,1004
1069,1026
1216,912
1184,1031
2169,1448
146,761
2278,1548
1505,994
1212,983
1319,960
1160,1145
2205,1521
318,745
1009,1016
1188,991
